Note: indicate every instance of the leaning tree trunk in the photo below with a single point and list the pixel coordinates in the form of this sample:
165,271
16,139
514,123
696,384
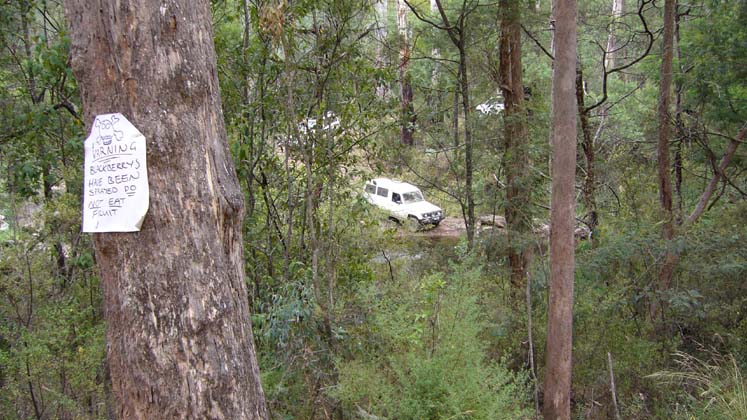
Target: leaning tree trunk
179,339
557,401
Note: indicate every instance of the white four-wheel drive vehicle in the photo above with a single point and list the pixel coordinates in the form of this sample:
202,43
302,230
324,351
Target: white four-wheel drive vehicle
403,202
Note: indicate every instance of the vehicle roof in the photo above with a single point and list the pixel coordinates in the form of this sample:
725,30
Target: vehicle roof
394,185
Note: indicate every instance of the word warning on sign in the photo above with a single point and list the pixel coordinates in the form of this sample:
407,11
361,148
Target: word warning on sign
115,185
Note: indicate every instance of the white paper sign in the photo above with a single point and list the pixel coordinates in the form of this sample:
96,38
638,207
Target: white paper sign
115,185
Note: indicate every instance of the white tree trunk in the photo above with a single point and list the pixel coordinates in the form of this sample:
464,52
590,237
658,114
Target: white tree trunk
617,12
381,7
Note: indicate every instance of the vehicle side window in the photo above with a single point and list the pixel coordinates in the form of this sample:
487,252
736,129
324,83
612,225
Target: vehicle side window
396,198
370,188
382,192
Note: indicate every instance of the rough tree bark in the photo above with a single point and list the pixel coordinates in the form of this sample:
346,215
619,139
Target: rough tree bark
515,138
666,271
563,141
179,339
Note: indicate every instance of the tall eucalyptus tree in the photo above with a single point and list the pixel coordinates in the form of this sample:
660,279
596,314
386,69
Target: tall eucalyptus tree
179,339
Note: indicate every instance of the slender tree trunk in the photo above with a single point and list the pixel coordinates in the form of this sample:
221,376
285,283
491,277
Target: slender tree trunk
666,270
587,145
435,95
563,138
248,86
455,113
678,124
405,84
293,133
515,137
458,36
179,339
468,146
381,7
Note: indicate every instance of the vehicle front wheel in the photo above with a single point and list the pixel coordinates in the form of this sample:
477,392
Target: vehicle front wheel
413,224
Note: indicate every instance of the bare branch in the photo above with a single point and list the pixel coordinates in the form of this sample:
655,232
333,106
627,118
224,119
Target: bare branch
428,21
606,72
536,42
718,173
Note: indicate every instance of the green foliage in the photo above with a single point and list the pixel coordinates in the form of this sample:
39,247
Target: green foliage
425,358
613,293
712,387
715,57
51,332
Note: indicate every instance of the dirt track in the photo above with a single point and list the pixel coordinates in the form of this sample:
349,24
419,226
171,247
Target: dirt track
450,227
453,227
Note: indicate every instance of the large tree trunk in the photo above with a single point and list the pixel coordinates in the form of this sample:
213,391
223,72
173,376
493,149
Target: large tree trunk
516,150
666,270
563,138
179,339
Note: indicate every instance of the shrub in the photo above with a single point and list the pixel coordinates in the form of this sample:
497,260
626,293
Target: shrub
426,360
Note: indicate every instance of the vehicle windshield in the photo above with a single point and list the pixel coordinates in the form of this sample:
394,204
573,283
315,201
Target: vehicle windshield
413,197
